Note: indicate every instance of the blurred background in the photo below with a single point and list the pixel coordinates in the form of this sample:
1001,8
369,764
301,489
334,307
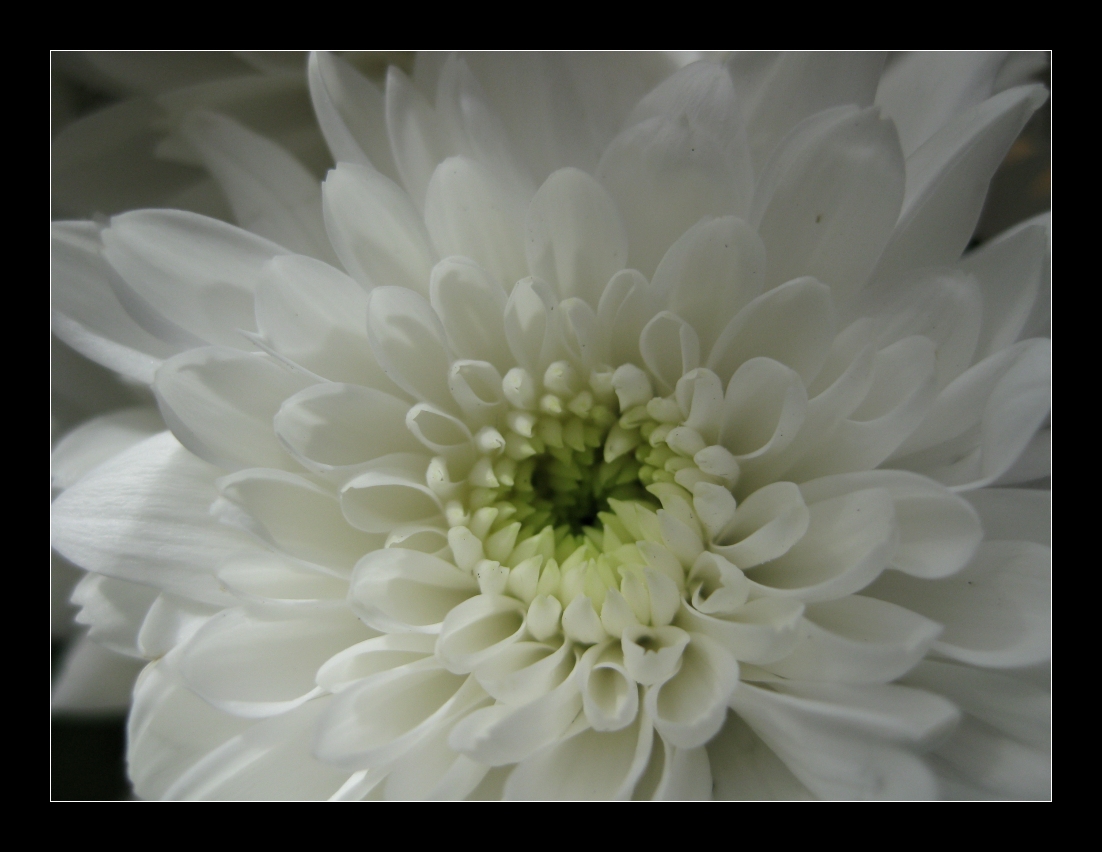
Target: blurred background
113,149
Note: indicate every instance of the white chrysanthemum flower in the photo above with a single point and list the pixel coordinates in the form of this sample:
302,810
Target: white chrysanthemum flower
583,442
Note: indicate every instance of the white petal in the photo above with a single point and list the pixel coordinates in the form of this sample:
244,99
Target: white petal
848,543
417,141
995,611
524,671
610,696
925,90
144,516
270,760
271,193
409,343
779,92
220,404
793,324
471,305
899,395
763,409
372,656
857,640
575,239
383,715
278,584
588,765
350,112
627,304
711,272
470,212
114,611
938,531
530,327
392,496
187,278
432,770
398,590
88,315
255,666
947,179
1009,271
316,316
982,422
375,229
839,742
98,440
677,161
759,632
505,734
478,629
828,198
297,517
329,426
745,768
764,526
689,708
670,349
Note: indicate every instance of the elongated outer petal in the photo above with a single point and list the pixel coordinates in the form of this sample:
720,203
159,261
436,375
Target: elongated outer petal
86,313
983,421
677,161
315,316
1002,747
925,90
372,656
432,770
380,717
782,90
186,278
271,193
172,620
841,741
938,530
995,611
471,305
588,765
713,270
409,344
470,211
297,517
375,230
670,349
857,640
330,425
745,768
759,632
793,324
265,761
504,733
220,403
398,590
97,440
351,113
947,181
114,611
257,666
574,236
1009,270
828,198
847,544
417,140
144,516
